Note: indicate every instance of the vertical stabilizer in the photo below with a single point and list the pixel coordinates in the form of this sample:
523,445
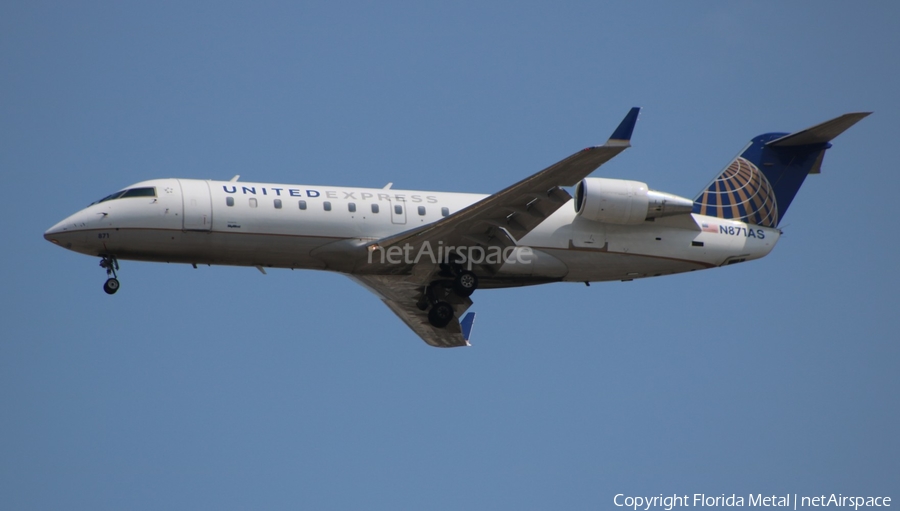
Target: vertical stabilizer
759,184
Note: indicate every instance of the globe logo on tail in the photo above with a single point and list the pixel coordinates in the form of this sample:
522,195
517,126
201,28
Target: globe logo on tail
741,192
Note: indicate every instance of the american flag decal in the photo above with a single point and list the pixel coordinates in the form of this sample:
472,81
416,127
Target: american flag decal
709,227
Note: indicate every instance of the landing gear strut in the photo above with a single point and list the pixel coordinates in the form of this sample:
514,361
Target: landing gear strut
110,264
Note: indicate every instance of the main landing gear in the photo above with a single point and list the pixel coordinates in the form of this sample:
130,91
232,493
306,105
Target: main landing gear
441,293
110,264
440,315
465,283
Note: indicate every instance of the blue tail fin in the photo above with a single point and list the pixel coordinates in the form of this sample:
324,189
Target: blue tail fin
758,185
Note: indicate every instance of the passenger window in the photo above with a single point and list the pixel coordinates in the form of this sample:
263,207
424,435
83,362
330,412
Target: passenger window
421,210
303,204
327,205
398,209
445,211
277,203
253,202
229,201
352,207
374,208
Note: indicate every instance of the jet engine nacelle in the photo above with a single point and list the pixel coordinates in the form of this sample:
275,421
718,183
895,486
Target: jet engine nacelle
618,201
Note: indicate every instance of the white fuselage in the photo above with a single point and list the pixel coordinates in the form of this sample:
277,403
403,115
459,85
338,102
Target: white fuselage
292,226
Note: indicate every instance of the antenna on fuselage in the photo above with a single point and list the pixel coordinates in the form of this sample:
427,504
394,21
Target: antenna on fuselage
235,178
388,186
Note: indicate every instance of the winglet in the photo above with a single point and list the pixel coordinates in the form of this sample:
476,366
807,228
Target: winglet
466,324
622,135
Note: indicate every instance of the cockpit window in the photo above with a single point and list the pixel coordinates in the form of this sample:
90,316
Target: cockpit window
110,197
132,192
139,192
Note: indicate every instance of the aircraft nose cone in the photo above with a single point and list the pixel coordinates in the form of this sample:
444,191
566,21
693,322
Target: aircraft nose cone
63,231
73,232
52,232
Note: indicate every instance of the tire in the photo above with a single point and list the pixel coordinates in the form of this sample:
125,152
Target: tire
440,315
465,283
111,286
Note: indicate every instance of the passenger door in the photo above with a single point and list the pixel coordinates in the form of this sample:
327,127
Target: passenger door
195,198
398,212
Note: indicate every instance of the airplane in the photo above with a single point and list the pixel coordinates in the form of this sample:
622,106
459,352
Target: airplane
424,253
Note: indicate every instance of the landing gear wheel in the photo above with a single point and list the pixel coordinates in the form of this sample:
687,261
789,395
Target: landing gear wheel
111,286
440,315
465,283
110,264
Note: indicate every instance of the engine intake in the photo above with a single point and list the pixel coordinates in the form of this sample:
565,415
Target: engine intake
619,201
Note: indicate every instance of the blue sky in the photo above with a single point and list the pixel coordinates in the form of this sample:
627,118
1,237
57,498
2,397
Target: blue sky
223,388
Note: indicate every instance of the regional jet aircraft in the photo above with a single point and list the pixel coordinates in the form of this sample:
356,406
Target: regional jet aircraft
424,253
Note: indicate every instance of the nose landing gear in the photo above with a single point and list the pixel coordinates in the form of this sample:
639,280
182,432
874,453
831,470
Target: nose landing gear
110,264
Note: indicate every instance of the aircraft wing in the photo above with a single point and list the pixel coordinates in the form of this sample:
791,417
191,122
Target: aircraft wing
400,294
508,215
498,220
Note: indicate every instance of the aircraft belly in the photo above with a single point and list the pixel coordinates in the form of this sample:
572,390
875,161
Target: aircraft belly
198,247
276,251
596,265
532,263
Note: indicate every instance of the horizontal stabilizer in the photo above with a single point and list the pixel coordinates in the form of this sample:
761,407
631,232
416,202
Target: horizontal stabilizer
820,133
